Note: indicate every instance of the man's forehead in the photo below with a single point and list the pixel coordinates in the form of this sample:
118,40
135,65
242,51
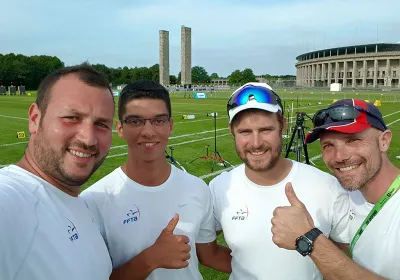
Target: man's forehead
142,101
81,103
146,106
78,103
71,84
65,82
332,134
254,115
255,123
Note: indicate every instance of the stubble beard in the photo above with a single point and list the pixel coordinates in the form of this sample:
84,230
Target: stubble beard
261,165
52,163
353,183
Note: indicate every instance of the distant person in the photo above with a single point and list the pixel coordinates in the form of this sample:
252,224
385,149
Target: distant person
246,197
354,141
156,219
47,231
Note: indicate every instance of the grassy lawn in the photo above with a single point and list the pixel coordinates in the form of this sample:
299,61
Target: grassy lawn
190,137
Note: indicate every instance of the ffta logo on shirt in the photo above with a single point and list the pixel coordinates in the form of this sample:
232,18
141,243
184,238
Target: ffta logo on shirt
72,231
352,214
242,214
133,215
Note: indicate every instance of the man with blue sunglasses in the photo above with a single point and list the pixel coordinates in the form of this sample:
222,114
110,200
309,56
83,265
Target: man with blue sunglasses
354,141
246,198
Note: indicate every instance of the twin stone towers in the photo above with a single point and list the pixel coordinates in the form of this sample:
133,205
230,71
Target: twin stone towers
186,57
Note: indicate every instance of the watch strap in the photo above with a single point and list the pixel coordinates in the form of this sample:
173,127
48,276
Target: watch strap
313,234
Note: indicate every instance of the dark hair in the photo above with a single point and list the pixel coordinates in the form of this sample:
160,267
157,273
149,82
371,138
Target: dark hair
143,89
247,112
84,72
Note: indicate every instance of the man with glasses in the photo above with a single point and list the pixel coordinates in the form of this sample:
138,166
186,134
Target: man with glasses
246,197
354,141
156,219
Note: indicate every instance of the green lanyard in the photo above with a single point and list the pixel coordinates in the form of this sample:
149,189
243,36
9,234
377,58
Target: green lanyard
378,207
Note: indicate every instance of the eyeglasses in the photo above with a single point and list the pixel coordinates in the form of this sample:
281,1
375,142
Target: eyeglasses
341,113
140,122
260,94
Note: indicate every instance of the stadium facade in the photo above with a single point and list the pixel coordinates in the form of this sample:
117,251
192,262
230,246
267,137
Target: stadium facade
361,66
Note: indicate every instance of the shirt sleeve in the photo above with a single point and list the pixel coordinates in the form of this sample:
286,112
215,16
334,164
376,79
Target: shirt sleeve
341,219
207,228
216,215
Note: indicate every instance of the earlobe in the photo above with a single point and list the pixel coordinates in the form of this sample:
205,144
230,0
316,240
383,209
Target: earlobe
34,118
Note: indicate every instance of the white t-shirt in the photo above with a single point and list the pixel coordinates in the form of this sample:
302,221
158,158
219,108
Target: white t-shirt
243,210
132,216
378,248
46,233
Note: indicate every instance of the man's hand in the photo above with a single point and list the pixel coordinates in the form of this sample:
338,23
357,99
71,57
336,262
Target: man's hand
170,250
290,222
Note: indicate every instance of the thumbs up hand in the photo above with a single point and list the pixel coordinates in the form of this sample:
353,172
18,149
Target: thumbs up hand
291,196
290,222
170,250
169,229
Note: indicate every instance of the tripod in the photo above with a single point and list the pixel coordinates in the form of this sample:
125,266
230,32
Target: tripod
216,156
300,141
207,156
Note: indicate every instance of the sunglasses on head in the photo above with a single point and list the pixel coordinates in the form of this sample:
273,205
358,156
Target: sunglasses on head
260,94
341,113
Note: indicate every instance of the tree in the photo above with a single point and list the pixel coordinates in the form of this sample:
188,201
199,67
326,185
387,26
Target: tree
241,77
155,73
27,70
248,76
179,78
104,69
268,77
214,76
18,69
116,77
173,80
235,78
141,73
200,75
126,76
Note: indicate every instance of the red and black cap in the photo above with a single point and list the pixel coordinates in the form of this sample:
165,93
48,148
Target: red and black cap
346,116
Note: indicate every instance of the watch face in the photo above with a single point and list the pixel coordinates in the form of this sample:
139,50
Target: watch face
303,245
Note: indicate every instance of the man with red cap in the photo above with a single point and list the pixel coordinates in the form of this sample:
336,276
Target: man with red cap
354,141
245,198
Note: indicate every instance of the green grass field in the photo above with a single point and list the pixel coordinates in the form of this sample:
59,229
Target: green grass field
190,137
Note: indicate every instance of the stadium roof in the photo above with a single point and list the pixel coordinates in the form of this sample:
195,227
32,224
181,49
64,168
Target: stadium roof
382,47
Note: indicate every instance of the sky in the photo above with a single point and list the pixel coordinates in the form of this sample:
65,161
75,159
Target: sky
264,35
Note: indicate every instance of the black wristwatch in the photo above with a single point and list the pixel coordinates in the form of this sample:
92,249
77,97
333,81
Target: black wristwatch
305,243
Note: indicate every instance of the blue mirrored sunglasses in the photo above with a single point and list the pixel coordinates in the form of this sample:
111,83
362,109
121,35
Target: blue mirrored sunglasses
260,94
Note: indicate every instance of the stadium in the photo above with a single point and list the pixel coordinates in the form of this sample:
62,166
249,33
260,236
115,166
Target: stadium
369,66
